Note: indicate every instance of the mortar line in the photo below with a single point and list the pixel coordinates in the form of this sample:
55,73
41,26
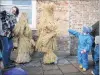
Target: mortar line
42,67
59,69
75,67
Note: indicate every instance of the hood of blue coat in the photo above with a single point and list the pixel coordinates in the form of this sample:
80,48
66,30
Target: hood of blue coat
97,40
86,29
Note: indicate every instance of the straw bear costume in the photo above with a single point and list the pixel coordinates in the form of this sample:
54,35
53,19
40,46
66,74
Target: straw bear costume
23,40
47,31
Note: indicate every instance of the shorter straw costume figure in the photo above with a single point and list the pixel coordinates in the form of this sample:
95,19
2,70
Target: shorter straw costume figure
47,31
23,39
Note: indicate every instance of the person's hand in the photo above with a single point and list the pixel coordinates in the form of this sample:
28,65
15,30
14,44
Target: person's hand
84,51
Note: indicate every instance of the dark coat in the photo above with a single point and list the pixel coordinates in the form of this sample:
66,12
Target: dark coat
95,29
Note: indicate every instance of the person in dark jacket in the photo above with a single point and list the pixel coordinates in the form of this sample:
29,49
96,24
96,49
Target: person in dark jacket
96,56
95,32
8,21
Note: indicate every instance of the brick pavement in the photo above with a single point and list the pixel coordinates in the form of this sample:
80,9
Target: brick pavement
67,65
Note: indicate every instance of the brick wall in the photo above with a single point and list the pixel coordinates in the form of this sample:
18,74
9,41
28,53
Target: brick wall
83,12
71,14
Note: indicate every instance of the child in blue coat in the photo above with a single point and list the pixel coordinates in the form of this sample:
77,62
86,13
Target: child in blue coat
96,56
84,46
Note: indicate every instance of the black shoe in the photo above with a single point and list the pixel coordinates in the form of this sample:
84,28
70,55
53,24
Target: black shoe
12,61
52,63
49,63
10,66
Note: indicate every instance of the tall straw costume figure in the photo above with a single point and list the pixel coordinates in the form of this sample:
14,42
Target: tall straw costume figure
23,39
47,31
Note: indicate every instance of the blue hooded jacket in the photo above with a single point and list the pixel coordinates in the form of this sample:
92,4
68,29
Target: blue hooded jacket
84,40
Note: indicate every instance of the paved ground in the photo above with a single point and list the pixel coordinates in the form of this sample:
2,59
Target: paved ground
67,65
